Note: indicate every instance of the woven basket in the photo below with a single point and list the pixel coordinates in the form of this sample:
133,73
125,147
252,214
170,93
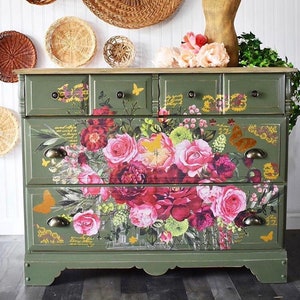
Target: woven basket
16,52
133,13
71,42
40,2
119,51
9,130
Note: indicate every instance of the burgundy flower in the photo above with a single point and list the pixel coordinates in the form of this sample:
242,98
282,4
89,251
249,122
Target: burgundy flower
93,137
177,202
82,159
202,219
221,168
133,173
171,175
133,195
254,176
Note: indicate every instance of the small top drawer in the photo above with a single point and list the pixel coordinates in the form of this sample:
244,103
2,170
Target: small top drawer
56,95
180,92
254,93
124,94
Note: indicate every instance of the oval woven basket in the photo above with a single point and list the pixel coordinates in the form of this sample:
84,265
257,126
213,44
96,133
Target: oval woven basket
40,2
133,13
9,130
71,42
119,51
17,51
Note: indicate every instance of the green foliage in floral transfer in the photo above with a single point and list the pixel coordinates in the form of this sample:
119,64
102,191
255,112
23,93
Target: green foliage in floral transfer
251,54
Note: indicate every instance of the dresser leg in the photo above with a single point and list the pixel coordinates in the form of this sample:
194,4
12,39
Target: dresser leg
269,271
41,273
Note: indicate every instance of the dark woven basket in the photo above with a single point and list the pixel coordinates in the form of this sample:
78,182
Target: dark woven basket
17,51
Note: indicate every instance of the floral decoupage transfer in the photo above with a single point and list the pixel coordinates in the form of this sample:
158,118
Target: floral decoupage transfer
162,183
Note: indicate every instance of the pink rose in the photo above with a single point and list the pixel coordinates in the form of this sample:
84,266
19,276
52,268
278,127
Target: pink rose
209,194
192,157
86,223
213,55
166,237
230,204
156,152
88,176
143,215
120,149
193,42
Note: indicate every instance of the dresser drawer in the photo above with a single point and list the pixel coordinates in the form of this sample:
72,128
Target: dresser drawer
124,94
56,95
191,94
146,150
208,217
255,93
179,92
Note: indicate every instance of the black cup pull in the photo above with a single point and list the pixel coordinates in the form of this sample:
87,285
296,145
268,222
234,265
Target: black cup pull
58,221
55,153
255,153
254,220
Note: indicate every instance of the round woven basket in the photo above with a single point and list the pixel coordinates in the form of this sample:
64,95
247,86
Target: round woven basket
17,51
71,42
40,2
133,13
119,51
9,130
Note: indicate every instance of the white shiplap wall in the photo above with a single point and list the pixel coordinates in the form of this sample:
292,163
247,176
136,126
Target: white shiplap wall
275,22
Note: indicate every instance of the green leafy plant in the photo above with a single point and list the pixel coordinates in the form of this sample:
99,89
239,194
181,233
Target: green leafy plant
251,54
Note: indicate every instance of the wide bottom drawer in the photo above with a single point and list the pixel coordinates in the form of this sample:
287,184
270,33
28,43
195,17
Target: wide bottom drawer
188,217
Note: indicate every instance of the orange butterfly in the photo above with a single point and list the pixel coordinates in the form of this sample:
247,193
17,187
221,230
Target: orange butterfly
268,237
241,143
45,206
154,144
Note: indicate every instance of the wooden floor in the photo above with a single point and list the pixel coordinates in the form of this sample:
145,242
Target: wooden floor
178,284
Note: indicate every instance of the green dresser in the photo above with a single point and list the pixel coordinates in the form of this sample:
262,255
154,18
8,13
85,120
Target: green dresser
154,169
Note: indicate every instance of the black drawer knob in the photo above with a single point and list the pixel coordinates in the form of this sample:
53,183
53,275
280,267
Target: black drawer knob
120,95
54,95
191,94
255,93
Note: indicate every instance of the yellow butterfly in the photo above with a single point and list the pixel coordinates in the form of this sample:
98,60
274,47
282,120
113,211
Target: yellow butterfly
268,237
154,144
45,162
136,90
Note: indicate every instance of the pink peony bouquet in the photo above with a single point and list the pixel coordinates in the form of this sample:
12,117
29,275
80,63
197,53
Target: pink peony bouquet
194,52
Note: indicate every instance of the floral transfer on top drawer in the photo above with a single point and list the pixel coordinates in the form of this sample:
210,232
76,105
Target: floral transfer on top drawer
57,95
255,94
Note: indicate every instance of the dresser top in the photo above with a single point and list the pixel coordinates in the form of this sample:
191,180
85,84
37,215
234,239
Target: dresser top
153,70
